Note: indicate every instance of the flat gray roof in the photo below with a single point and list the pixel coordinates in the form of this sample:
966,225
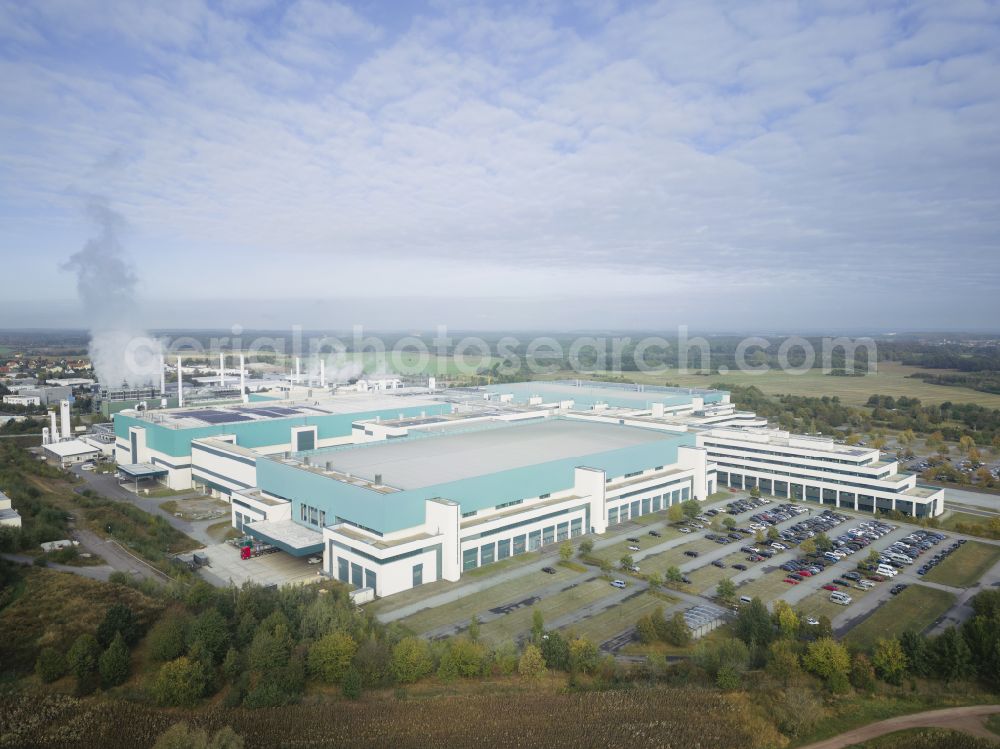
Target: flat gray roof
412,463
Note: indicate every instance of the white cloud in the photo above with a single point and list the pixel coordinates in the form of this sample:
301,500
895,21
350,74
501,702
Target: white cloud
815,145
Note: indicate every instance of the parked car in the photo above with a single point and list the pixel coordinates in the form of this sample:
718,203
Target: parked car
549,570
618,584
690,553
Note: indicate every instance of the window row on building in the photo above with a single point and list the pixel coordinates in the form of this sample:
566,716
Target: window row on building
810,479
495,551
646,505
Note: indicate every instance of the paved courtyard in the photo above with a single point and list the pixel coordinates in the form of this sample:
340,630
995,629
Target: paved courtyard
225,567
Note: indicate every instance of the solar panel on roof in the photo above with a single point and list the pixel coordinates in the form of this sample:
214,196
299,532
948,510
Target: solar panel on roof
217,417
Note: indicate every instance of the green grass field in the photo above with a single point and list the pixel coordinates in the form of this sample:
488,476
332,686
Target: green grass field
705,578
767,587
478,603
518,622
916,608
618,617
891,379
971,523
675,557
819,604
966,565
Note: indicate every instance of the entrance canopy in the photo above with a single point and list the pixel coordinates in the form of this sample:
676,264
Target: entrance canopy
287,535
139,471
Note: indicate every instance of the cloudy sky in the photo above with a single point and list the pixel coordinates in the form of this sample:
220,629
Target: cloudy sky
591,164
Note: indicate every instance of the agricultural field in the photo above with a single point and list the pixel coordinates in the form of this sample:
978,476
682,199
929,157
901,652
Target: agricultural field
601,627
477,604
513,625
966,565
916,608
891,379
502,714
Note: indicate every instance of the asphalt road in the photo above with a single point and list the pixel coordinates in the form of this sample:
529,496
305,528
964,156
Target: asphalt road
107,485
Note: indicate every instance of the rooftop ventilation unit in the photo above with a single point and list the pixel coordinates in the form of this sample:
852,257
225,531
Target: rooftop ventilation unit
378,479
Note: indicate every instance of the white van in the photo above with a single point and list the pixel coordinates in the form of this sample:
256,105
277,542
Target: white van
887,571
842,598
901,558
746,599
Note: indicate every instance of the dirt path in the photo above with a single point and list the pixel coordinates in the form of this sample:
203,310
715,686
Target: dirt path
967,719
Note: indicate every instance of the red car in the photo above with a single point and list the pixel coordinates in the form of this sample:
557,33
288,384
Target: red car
790,581
805,573
830,586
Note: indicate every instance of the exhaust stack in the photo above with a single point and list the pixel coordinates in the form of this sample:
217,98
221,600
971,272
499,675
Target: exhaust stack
180,384
64,420
243,382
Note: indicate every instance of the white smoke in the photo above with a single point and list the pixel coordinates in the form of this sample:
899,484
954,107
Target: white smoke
120,351
338,369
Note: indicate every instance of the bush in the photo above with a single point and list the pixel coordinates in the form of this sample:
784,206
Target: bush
411,660
352,684
166,640
82,656
532,664
50,665
179,683
114,663
119,619
330,656
181,736
583,656
211,630
862,673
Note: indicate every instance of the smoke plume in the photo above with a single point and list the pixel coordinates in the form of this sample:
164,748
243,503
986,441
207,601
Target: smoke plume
120,351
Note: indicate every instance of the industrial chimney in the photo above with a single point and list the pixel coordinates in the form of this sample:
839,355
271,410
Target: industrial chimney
243,382
180,384
67,431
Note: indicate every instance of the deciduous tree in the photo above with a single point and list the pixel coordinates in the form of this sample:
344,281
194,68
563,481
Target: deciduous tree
532,664
331,656
889,660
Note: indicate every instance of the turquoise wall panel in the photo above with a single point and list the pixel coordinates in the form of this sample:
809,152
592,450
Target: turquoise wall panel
177,442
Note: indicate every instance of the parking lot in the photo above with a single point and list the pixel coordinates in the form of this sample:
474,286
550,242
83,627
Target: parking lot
766,537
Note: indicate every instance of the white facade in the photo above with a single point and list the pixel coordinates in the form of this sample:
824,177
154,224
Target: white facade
817,469
8,515
71,452
22,400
